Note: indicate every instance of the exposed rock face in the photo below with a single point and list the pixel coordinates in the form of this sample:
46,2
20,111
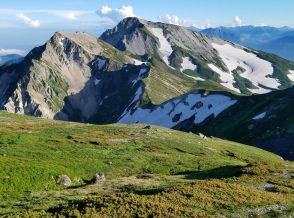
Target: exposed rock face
51,72
71,77
126,36
135,35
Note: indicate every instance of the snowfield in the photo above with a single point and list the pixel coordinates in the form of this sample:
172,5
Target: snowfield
291,75
257,70
137,62
195,78
96,82
141,75
100,63
136,98
226,78
187,64
165,48
62,41
259,116
173,112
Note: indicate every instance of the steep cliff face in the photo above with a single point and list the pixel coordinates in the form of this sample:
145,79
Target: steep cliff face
62,79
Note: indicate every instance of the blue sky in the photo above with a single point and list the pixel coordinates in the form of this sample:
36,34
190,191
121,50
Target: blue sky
25,24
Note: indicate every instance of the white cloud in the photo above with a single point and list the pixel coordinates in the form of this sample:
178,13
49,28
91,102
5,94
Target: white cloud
126,11
237,21
29,21
105,9
174,19
170,19
11,51
67,14
203,25
261,25
116,14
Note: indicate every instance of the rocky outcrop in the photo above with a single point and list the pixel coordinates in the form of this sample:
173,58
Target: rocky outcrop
71,77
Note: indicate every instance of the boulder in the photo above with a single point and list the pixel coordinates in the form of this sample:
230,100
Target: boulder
147,127
98,177
63,180
202,135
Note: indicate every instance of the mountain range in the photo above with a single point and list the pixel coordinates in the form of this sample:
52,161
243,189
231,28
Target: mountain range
10,59
161,74
279,41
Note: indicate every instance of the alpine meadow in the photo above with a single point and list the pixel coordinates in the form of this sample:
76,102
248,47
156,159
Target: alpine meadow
146,109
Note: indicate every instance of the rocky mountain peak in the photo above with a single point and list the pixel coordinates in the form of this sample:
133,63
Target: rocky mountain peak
145,37
130,22
82,40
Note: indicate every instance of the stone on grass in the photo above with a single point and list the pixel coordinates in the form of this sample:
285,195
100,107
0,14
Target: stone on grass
98,177
202,135
147,127
63,180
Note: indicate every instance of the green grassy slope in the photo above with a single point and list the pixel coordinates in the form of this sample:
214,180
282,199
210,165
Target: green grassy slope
165,83
150,172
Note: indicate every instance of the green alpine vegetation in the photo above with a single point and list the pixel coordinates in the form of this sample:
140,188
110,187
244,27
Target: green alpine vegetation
150,172
265,121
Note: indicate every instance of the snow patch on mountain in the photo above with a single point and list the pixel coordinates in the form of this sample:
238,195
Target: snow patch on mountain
137,62
195,78
257,70
165,48
96,82
291,75
136,98
187,64
62,41
260,116
142,74
100,63
175,111
226,78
